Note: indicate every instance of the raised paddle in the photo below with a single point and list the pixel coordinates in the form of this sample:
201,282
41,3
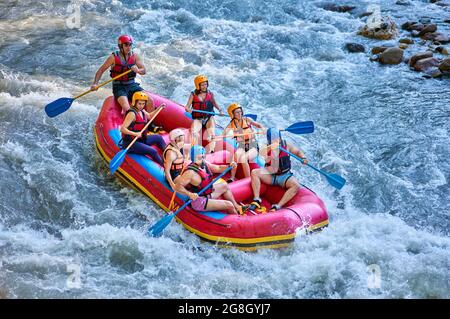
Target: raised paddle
63,104
296,128
334,179
157,229
252,116
117,160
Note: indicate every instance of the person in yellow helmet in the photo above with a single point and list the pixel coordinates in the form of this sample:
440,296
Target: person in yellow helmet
247,146
120,61
202,99
135,120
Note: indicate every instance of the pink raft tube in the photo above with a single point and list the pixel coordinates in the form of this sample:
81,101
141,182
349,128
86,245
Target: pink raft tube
247,232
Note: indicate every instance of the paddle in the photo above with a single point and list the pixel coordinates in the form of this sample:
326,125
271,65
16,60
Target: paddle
117,160
296,128
334,179
158,228
252,116
63,104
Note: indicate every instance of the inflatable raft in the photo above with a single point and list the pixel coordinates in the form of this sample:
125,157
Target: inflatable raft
247,232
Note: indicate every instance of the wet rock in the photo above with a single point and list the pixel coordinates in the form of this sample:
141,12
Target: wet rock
442,38
412,25
355,47
441,49
429,28
406,41
445,65
419,56
337,8
391,56
434,73
385,30
378,50
436,37
426,64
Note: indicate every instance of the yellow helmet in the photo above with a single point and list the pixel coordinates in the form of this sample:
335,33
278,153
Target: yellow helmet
139,96
232,107
200,79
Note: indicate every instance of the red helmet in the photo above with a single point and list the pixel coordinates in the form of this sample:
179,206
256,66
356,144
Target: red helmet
124,39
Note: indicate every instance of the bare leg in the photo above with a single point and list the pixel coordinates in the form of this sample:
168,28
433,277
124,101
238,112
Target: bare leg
221,205
123,101
238,156
292,187
210,132
260,175
222,189
196,129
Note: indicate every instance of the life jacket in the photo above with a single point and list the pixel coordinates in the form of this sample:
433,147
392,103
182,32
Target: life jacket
205,105
121,66
205,175
284,160
245,128
136,126
178,163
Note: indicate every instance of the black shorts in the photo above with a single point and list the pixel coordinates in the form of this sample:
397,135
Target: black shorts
127,90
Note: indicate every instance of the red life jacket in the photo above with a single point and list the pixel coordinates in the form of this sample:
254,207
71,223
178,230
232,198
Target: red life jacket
121,66
205,175
137,125
178,163
284,160
205,105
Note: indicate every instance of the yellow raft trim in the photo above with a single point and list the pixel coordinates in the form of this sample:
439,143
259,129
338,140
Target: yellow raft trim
228,242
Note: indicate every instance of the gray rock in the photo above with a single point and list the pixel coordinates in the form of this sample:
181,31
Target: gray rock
355,47
337,8
445,65
378,50
391,56
419,56
406,41
426,64
429,28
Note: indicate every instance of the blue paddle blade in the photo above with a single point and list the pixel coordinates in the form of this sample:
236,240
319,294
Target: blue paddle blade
117,161
59,106
252,116
301,128
336,180
157,229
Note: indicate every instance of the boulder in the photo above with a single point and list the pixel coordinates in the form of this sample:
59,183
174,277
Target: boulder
429,28
412,25
337,8
391,56
378,50
406,41
355,47
441,49
384,30
419,56
426,64
445,65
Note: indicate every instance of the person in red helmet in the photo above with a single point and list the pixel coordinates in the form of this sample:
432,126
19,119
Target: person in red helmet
119,62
